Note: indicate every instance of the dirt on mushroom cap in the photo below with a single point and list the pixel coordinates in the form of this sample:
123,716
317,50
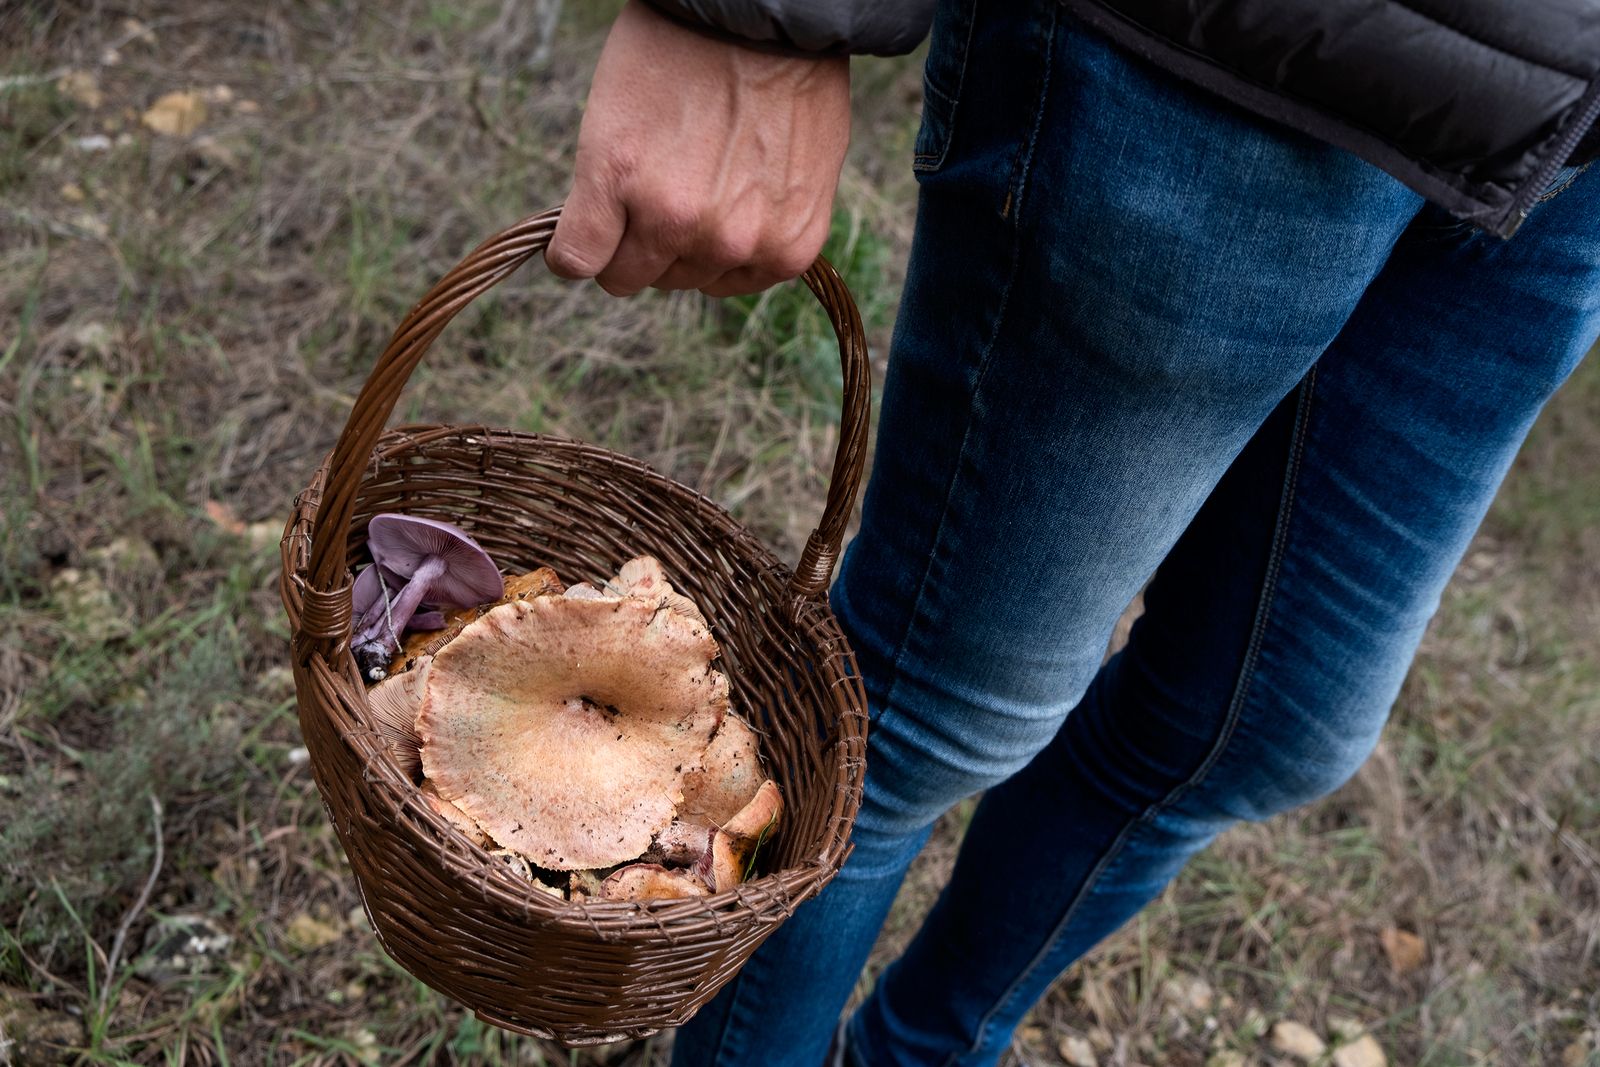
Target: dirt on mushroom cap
564,726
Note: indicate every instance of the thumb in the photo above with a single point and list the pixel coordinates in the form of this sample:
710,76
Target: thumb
588,232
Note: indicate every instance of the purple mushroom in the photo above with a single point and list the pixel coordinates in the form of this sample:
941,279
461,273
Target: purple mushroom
369,594
427,561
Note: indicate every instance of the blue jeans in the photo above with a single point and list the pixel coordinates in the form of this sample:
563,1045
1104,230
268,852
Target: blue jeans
1145,338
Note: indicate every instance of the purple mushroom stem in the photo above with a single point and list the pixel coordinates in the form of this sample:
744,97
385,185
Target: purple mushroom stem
428,619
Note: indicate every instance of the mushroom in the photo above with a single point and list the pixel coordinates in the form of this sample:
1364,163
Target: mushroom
539,582
727,777
454,815
371,585
563,726
395,702
643,579
682,843
720,868
754,823
439,564
650,881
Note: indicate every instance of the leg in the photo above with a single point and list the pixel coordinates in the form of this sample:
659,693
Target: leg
1094,325
1276,634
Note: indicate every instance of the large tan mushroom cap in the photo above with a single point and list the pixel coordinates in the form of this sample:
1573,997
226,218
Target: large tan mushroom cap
563,726
539,582
728,775
454,816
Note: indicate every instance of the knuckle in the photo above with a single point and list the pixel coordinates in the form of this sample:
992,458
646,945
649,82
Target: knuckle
733,246
674,219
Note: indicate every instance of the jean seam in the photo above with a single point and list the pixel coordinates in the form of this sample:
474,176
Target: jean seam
1269,585
984,362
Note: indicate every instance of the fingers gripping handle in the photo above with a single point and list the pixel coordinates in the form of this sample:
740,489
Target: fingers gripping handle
480,271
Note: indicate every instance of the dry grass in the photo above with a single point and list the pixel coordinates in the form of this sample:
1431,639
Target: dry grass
185,322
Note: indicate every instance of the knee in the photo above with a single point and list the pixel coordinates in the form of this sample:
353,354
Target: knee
921,762
1293,762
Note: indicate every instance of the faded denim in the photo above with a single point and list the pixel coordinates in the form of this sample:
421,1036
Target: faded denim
1145,338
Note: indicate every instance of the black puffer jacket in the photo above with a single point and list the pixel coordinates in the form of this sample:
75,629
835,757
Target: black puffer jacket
1476,104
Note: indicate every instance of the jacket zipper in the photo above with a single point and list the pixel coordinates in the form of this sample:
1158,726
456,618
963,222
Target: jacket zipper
1518,213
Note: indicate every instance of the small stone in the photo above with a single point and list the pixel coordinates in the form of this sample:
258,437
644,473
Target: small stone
178,946
32,1033
88,605
73,193
308,932
95,338
1297,1040
94,142
128,556
298,756
1078,1052
82,87
1345,1028
1364,1051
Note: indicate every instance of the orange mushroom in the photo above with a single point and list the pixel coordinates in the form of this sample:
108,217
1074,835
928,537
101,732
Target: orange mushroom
563,725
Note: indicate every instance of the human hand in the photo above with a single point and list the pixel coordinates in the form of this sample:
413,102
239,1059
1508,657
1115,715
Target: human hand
702,164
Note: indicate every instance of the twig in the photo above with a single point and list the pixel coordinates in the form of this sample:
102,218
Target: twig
475,99
137,907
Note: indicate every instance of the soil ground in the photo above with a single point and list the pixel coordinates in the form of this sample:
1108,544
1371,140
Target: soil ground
185,317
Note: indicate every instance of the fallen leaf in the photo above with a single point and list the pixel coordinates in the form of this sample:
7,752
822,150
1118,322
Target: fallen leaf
1362,1052
217,94
264,534
72,193
1575,1054
134,30
82,87
1227,1058
308,932
215,152
91,225
176,114
1297,1040
1345,1028
1405,950
247,107
1078,1052
224,516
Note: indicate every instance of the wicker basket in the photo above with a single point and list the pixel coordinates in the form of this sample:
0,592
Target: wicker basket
578,973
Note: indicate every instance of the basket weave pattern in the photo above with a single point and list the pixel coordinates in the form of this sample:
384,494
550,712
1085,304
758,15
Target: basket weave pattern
579,973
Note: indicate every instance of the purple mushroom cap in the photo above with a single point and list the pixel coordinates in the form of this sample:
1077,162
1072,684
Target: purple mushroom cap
430,562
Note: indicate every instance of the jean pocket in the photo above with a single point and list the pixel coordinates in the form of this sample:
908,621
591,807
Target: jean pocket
942,75
1559,184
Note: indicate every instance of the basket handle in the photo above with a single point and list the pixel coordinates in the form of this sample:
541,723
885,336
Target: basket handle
483,268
